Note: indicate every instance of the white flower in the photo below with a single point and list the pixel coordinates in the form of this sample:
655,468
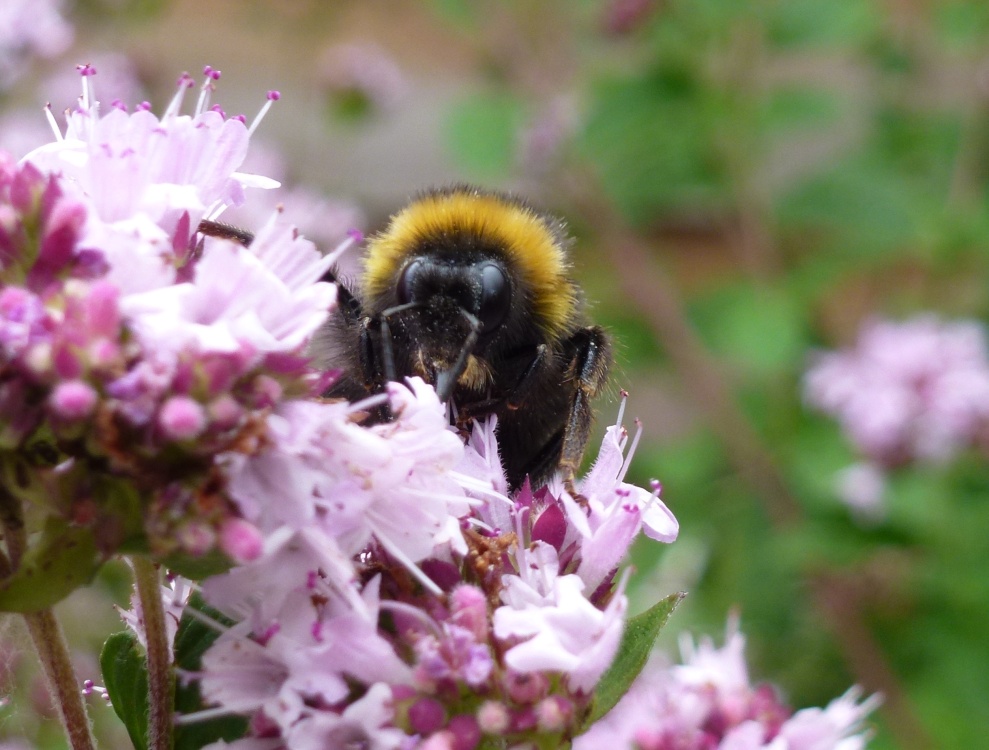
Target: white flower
563,631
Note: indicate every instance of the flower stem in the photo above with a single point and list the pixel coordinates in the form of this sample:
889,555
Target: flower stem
53,652
46,634
161,678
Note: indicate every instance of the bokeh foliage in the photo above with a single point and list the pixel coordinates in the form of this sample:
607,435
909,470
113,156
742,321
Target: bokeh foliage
795,168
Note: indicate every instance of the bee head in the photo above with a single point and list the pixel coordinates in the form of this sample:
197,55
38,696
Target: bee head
442,288
494,255
470,269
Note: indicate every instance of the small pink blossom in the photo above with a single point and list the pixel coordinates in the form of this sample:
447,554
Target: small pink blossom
241,540
73,399
181,418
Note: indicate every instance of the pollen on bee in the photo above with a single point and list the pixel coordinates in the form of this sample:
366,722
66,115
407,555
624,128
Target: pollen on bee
476,375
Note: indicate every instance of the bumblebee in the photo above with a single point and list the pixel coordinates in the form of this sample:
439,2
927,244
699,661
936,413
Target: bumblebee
471,291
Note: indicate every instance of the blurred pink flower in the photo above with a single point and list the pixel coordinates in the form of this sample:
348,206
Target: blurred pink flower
30,27
708,703
916,390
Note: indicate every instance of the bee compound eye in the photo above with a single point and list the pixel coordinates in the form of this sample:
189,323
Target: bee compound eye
496,296
407,280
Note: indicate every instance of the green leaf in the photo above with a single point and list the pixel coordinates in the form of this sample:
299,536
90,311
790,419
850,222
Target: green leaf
59,561
198,567
192,640
125,675
633,652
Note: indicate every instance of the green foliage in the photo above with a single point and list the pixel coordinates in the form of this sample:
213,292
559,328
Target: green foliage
59,560
633,652
650,140
125,673
192,640
760,329
798,24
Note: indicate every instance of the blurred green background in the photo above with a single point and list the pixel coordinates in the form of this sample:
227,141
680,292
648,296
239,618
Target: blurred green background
748,181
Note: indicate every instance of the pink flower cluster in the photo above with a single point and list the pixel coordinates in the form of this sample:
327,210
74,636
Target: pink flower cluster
402,599
917,390
708,703
907,391
143,347
390,593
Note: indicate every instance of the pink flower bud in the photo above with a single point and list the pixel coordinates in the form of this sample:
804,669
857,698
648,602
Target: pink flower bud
426,716
465,732
493,718
73,399
241,540
181,418
225,412
526,687
554,713
439,741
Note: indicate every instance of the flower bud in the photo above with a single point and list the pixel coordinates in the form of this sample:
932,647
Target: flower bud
181,418
72,400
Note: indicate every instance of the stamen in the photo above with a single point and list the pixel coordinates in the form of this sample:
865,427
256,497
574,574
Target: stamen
368,403
184,83
86,71
621,408
479,524
404,559
205,715
53,123
353,237
428,494
207,89
273,96
631,450
479,486
205,619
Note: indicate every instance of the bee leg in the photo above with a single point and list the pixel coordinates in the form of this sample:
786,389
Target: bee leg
446,380
523,388
591,359
389,370
387,351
